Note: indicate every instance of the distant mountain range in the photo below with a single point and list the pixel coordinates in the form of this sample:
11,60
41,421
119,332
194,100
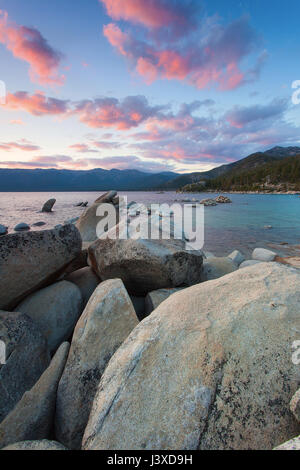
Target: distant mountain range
277,169
128,180
75,180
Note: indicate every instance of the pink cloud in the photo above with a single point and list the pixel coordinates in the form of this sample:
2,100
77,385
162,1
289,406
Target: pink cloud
155,14
212,56
29,45
110,112
22,145
37,104
83,148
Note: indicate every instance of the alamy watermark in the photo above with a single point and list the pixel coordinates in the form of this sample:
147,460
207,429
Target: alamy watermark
153,222
296,94
2,353
2,92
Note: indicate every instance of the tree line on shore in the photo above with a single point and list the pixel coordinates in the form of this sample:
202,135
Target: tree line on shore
281,175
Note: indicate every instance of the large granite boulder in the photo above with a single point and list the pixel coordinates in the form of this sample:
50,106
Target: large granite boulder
146,265
44,444
27,356
108,319
213,268
86,281
28,261
33,416
210,369
88,221
55,309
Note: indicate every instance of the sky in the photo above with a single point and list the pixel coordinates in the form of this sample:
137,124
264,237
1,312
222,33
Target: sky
152,85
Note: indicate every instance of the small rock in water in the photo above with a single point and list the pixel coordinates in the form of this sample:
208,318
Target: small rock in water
85,204
47,207
261,254
79,204
39,224
3,230
21,227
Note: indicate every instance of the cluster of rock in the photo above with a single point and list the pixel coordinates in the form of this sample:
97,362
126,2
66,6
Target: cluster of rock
223,200
214,202
208,367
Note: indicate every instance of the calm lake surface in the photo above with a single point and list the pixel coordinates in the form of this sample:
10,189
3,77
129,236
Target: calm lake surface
239,225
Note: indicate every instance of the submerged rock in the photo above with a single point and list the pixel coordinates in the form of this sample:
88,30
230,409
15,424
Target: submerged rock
48,206
39,224
108,319
28,261
27,356
55,309
210,368
33,416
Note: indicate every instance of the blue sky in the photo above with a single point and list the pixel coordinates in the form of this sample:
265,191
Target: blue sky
208,82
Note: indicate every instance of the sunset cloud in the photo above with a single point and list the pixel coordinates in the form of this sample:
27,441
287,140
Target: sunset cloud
195,132
21,145
111,112
29,45
157,14
37,104
83,148
210,54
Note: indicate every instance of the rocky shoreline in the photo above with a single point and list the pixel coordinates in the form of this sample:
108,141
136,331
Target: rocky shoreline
142,344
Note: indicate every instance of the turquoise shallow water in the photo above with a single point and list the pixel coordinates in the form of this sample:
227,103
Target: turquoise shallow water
227,226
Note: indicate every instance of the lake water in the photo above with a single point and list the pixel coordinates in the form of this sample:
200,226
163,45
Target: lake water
239,225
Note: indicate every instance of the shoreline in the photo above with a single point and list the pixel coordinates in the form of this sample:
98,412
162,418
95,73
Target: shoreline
288,193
